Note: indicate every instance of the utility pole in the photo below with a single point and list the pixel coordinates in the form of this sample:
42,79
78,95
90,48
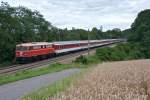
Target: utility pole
88,43
59,36
101,28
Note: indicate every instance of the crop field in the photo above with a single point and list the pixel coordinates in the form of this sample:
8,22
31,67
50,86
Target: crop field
125,80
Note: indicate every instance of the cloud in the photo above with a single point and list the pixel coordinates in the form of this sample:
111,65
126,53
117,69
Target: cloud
86,13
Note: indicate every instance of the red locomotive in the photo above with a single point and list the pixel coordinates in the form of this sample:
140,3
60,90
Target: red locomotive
40,50
32,51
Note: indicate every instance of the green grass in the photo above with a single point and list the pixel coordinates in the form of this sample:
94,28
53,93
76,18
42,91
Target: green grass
51,90
35,72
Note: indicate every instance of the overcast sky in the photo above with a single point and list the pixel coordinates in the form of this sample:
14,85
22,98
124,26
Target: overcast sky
86,13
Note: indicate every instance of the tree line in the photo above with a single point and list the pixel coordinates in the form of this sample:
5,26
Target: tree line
138,38
21,25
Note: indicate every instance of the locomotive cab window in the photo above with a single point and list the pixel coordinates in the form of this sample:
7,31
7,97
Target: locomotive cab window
21,48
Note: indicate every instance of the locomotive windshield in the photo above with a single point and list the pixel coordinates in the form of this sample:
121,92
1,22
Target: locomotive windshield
21,48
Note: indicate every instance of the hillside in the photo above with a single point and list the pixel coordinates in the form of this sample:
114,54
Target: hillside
125,80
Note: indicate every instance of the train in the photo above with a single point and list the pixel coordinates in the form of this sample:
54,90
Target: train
33,51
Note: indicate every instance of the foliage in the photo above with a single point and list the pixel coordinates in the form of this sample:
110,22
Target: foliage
120,52
17,25
141,31
81,59
90,59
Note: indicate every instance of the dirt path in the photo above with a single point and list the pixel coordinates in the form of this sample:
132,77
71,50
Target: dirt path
15,90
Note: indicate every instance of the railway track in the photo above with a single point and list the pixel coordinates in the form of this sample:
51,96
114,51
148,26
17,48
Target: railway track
61,59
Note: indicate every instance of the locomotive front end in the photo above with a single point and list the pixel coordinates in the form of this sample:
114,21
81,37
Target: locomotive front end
22,53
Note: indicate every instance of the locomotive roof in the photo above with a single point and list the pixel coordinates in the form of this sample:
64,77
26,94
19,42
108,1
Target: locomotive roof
34,44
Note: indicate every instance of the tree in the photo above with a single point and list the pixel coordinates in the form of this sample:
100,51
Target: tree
140,28
141,31
18,25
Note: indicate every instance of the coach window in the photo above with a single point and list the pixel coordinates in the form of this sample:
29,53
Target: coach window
41,47
47,46
35,47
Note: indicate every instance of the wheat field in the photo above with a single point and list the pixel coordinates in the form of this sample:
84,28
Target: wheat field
125,80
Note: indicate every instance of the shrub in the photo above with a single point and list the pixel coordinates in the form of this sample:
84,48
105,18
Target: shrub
121,52
103,53
81,59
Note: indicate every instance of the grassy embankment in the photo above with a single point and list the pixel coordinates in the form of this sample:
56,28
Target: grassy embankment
124,80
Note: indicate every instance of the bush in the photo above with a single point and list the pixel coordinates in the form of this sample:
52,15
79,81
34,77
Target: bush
93,59
81,59
103,53
121,52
